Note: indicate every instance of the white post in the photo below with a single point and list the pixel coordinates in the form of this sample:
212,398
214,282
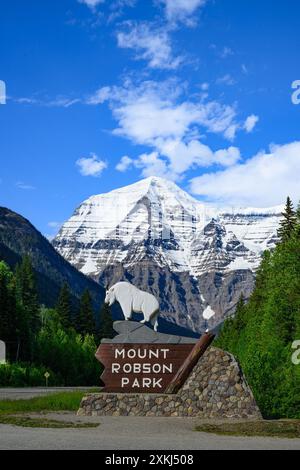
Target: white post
2,352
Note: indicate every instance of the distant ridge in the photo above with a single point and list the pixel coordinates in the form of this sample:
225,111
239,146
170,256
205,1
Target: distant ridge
19,237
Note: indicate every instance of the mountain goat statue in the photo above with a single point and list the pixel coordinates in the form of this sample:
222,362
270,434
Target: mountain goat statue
132,299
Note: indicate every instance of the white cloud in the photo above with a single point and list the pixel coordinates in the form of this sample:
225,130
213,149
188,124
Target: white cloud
26,100
245,69
158,115
119,4
250,123
182,10
91,3
54,224
59,101
156,110
146,120
125,163
177,157
226,80
182,156
204,86
91,166
231,131
150,44
263,180
101,95
62,102
153,165
117,8
227,157
226,52
25,186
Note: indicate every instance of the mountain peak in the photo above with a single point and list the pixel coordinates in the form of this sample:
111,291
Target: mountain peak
156,235
108,226
155,179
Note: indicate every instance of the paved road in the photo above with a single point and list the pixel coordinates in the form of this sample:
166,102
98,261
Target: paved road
24,393
132,433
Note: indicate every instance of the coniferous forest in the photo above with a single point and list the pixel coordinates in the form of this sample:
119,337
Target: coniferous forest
262,333
60,340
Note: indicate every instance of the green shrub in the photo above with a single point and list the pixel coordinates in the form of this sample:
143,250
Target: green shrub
26,375
69,355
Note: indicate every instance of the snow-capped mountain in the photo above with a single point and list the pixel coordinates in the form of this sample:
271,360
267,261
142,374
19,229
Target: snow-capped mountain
196,258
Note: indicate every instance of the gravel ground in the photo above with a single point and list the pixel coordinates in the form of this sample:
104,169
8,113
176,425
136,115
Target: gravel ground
132,433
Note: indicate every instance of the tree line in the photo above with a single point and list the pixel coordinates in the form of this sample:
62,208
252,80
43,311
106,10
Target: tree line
63,338
262,331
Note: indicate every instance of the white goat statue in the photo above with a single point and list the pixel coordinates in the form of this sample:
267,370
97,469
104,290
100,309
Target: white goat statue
132,299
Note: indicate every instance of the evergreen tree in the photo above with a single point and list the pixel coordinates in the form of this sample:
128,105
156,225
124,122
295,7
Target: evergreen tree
288,223
298,213
85,319
233,326
106,322
28,308
27,292
4,314
240,314
64,307
8,307
297,228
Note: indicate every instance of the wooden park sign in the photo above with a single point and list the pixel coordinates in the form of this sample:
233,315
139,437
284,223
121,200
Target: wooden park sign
152,368
140,359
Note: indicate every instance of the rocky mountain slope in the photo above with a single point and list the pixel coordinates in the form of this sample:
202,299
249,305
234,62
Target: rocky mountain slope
195,258
19,237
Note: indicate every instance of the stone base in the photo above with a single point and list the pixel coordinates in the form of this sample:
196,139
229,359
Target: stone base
216,388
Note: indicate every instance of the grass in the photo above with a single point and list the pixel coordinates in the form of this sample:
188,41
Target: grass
64,401
281,428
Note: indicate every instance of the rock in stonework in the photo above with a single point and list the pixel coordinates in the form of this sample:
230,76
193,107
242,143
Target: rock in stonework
234,399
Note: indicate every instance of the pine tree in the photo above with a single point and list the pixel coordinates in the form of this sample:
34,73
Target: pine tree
8,305
28,319
27,291
240,313
4,315
288,223
297,228
85,319
233,326
298,213
64,307
106,322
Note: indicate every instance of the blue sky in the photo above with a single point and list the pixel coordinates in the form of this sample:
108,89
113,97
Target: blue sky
102,93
